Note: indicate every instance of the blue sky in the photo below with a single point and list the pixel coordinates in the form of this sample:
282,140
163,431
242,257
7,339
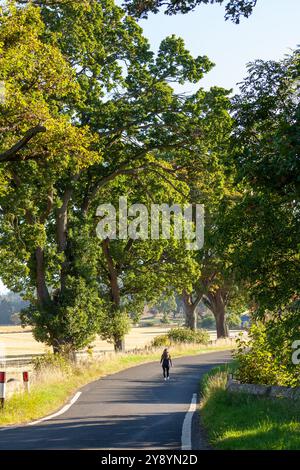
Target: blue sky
270,33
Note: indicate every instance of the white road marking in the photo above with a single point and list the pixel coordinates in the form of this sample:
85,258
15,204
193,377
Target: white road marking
60,412
186,436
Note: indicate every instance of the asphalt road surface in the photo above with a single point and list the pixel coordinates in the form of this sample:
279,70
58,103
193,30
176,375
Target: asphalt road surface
133,409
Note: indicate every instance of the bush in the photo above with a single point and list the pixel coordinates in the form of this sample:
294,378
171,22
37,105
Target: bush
185,335
181,335
161,340
264,358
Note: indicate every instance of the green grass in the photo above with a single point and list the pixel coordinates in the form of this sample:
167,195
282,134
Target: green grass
53,388
244,422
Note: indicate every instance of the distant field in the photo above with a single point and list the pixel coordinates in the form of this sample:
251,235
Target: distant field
13,329
15,340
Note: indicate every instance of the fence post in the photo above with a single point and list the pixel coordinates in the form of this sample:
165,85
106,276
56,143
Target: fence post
2,388
26,381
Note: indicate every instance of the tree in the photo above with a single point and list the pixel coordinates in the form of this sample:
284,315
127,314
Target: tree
213,185
122,120
262,225
36,79
39,82
253,239
234,9
133,271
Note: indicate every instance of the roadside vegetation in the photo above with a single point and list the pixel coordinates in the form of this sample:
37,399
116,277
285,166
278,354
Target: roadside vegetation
55,379
181,336
244,422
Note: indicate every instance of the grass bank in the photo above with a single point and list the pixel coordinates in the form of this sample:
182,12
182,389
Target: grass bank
244,422
53,387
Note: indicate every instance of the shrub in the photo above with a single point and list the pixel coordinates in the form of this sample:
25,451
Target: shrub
181,335
263,359
161,340
185,335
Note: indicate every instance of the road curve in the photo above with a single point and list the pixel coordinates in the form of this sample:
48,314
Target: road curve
133,409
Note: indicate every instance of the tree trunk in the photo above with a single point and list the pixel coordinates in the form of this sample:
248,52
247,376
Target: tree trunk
41,286
217,304
189,311
66,350
190,317
222,331
61,233
119,342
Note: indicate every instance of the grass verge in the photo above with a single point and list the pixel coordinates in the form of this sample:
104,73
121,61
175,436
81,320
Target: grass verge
245,422
53,388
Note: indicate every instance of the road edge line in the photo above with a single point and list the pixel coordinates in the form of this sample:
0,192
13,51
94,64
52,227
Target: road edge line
58,413
186,435
46,418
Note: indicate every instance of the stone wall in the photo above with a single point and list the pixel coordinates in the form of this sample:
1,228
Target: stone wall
273,391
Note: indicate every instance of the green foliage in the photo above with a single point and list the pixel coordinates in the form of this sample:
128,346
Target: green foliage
114,324
85,71
208,321
160,341
266,358
185,335
73,323
234,9
261,224
233,319
181,336
113,126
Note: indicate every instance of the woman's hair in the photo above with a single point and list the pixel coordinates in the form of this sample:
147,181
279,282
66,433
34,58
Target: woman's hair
165,354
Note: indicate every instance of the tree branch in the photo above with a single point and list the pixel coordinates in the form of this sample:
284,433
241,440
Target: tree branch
9,155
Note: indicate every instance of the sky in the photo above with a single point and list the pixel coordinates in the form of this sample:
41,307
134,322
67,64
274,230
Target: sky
270,32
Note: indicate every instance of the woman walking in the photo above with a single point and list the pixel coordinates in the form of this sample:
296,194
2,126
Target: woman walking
166,363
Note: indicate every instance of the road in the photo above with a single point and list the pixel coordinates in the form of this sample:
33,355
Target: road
133,409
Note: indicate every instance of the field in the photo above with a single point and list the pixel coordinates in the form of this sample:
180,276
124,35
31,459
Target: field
15,340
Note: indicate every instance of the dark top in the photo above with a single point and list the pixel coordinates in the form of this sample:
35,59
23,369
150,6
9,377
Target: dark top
166,361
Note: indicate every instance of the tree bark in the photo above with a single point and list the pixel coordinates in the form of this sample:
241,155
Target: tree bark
41,286
119,343
190,310
217,304
61,232
12,153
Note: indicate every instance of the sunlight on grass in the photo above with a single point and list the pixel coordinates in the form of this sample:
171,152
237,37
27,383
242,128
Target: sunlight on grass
244,422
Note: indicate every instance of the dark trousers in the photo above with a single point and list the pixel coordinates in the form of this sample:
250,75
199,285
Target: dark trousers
166,370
